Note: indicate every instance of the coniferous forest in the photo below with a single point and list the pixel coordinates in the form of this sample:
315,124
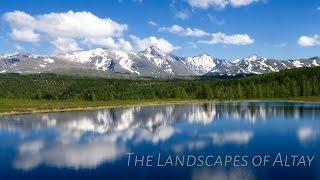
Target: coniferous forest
300,82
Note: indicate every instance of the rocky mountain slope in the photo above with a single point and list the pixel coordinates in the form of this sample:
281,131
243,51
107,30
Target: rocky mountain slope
151,62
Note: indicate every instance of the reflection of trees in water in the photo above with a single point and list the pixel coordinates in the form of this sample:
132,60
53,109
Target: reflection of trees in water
220,173
261,111
153,118
86,139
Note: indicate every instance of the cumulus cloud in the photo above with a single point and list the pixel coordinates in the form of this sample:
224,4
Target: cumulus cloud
26,35
160,43
182,15
176,29
152,23
235,39
239,3
109,42
63,30
65,44
78,24
20,19
205,4
309,41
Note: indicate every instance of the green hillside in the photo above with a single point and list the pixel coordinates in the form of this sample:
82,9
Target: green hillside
301,82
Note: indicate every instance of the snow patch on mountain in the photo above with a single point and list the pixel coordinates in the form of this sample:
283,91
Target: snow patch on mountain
314,62
200,64
297,63
159,58
124,61
82,56
48,60
150,62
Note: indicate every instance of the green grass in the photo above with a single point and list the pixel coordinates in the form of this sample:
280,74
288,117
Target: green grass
16,106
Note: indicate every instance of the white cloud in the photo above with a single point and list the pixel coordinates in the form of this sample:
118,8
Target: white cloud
152,23
176,29
63,30
182,15
65,44
235,39
309,41
20,19
109,42
205,4
78,25
239,3
160,43
215,20
27,35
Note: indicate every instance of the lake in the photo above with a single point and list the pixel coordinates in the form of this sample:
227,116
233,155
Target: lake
254,140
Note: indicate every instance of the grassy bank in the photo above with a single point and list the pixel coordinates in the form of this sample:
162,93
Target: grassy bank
19,106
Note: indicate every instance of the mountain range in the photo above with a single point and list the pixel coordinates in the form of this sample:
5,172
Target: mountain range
151,62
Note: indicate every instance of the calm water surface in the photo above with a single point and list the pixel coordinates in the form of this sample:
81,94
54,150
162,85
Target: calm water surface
94,144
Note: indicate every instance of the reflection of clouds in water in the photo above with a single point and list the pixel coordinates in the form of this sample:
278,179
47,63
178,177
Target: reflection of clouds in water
69,151
231,137
102,121
216,138
189,146
153,117
223,174
72,154
307,134
112,129
162,134
67,136
31,147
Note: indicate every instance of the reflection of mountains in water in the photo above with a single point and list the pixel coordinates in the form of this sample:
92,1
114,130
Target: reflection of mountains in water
88,139
153,118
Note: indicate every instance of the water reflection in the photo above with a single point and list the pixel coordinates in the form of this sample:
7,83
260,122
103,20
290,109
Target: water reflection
88,139
155,117
223,174
74,154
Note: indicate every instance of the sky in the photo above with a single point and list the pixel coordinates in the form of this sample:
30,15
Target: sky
228,29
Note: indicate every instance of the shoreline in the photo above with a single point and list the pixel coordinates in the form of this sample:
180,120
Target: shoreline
122,104
66,106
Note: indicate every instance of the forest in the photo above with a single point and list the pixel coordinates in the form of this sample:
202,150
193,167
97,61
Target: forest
299,82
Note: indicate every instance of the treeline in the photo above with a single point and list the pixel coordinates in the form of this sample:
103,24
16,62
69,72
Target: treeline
284,84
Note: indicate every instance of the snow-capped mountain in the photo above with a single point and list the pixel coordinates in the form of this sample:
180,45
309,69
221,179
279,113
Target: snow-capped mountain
150,62
201,64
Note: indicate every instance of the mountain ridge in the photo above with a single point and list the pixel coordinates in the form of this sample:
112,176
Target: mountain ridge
151,62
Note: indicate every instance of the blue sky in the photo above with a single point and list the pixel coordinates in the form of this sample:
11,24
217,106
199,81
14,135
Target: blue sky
227,29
